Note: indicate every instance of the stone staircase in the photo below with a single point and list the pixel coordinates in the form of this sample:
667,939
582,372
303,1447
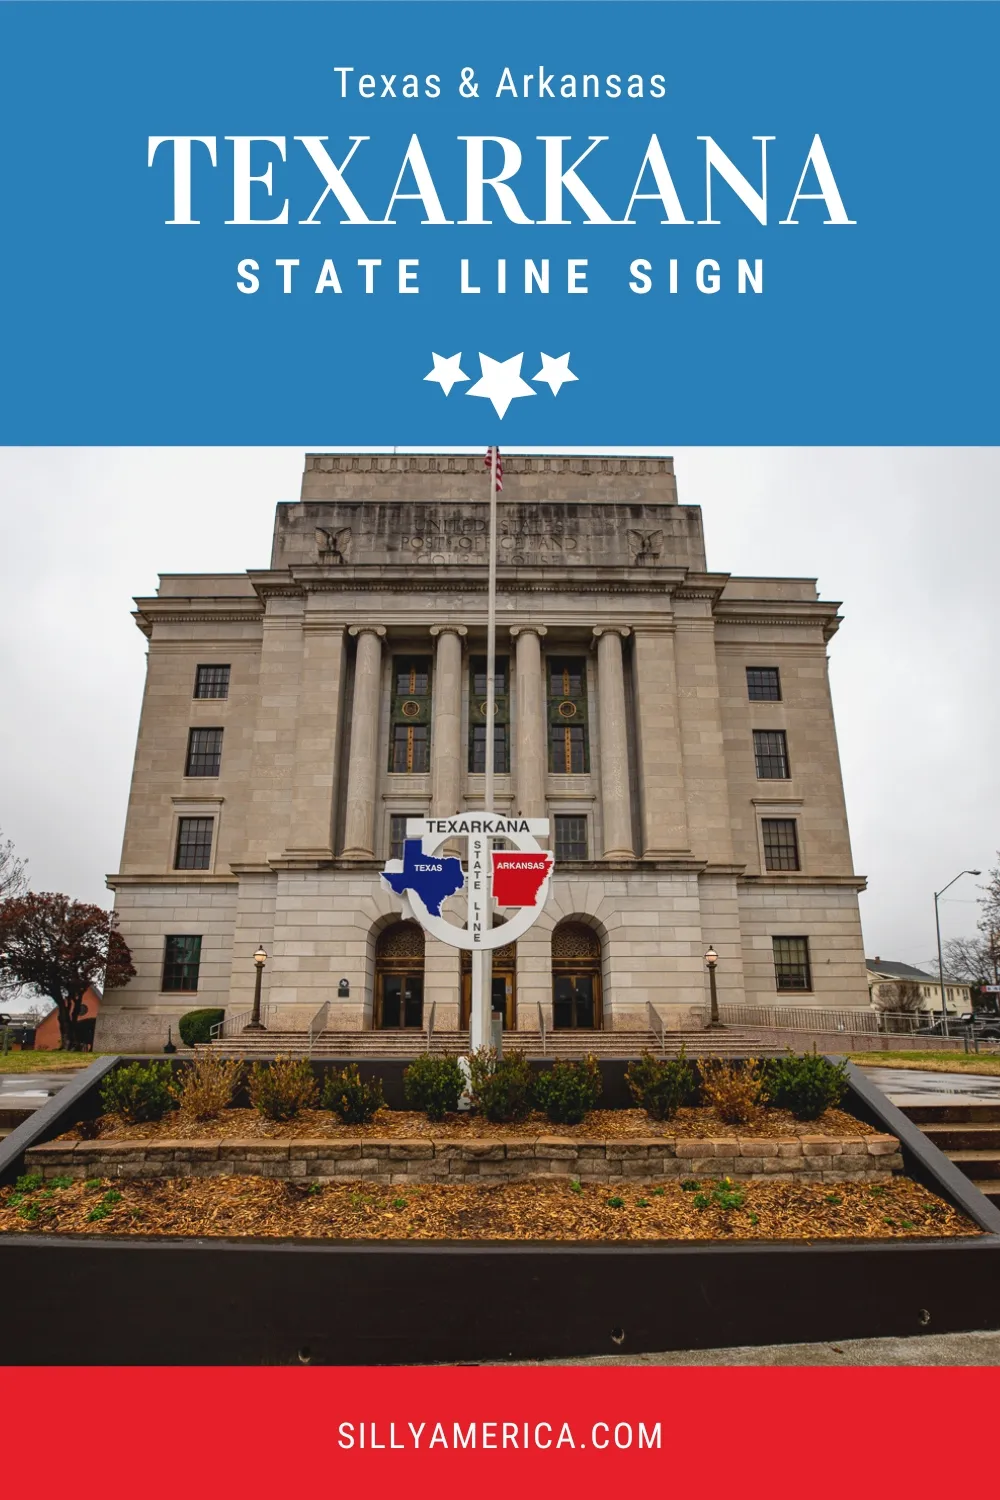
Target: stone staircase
730,1042
969,1134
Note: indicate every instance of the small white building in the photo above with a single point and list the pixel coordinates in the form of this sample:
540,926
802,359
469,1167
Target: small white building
883,976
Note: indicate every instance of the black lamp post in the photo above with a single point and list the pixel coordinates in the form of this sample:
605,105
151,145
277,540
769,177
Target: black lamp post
937,924
711,959
255,1023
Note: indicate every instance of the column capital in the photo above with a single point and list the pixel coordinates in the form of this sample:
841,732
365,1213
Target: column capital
538,630
378,630
458,630
622,630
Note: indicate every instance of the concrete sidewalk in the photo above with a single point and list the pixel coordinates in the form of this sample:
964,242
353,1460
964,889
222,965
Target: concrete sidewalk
931,1349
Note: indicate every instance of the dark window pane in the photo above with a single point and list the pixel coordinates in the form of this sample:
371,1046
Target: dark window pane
478,664
763,684
194,844
410,750
412,675
204,755
771,754
477,749
181,961
567,675
571,838
567,749
781,845
211,682
791,963
397,835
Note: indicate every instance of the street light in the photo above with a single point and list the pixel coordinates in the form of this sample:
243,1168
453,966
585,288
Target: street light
255,1024
711,959
937,924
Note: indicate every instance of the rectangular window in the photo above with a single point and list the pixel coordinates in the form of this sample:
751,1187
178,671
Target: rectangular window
781,845
397,834
477,749
412,676
567,676
194,844
211,682
770,750
204,755
410,748
763,685
791,963
571,838
567,749
181,961
478,665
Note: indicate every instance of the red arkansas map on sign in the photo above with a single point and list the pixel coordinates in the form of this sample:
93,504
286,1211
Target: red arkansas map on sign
518,878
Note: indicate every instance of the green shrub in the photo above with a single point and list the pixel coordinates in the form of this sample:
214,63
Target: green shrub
434,1085
138,1092
661,1087
207,1087
351,1100
281,1088
196,1025
569,1090
501,1086
806,1085
734,1090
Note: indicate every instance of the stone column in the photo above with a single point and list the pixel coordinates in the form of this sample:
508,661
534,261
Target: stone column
362,770
615,796
316,740
532,748
658,735
446,728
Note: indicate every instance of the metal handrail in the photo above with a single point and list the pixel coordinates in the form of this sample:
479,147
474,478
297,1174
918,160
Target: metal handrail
656,1024
541,1026
234,1024
318,1024
429,1026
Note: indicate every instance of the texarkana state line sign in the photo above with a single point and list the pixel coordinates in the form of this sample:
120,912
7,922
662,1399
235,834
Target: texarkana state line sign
517,877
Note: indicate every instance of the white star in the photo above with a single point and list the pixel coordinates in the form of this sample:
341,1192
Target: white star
555,372
500,382
447,372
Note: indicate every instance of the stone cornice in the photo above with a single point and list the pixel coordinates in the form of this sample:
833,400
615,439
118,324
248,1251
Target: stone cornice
472,464
175,877
796,878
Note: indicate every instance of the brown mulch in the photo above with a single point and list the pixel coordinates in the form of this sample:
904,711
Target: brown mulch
231,1207
600,1124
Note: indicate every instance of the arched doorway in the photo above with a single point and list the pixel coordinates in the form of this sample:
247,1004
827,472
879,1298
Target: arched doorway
504,984
576,978
399,978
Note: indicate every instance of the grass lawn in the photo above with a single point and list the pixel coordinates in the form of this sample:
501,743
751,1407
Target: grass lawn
932,1062
45,1062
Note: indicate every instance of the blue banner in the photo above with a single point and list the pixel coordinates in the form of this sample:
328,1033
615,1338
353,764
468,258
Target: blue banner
449,224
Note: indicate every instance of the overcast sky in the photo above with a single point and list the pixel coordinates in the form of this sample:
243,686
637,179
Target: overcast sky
908,538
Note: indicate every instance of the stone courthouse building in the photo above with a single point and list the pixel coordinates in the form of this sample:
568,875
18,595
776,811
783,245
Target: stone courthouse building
673,722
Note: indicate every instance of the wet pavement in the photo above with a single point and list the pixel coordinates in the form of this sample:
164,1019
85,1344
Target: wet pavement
31,1090
916,1084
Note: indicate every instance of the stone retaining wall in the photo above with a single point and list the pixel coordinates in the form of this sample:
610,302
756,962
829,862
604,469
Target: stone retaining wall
807,1158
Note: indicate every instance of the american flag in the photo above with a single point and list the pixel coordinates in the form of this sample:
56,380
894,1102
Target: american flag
488,461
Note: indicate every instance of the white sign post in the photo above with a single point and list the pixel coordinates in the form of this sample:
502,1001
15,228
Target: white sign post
517,879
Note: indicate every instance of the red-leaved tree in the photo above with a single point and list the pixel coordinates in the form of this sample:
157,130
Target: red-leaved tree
62,947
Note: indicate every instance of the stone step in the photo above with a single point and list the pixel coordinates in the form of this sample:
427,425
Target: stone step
990,1188
376,1044
980,1166
953,1114
964,1137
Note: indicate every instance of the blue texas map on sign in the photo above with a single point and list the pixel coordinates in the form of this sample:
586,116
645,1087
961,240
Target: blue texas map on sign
433,877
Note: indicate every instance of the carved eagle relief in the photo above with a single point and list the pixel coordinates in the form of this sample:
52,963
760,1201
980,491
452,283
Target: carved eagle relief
333,546
645,545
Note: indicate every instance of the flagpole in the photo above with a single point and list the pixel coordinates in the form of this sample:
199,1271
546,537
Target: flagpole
482,973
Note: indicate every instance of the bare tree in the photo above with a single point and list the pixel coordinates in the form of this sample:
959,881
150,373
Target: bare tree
973,960
989,922
903,997
13,871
